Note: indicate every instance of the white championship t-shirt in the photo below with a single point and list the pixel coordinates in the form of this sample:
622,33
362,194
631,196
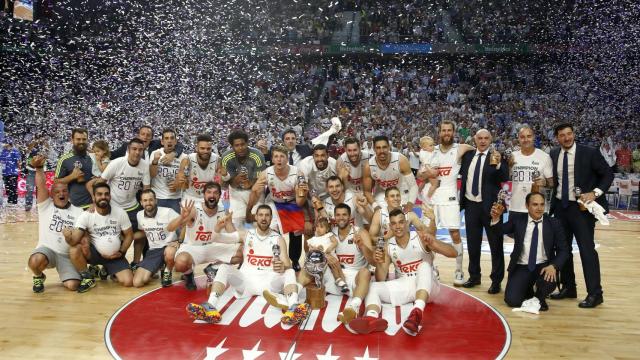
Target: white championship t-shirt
125,181
166,174
51,221
522,176
155,228
104,231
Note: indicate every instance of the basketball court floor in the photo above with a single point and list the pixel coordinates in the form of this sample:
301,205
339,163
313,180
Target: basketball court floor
150,323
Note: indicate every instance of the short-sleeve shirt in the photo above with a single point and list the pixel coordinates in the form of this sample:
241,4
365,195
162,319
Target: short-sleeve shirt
522,176
155,228
125,181
78,193
254,163
166,174
51,221
104,231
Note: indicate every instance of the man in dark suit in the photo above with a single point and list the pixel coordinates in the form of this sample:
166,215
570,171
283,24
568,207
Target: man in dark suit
539,251
481,178
578,166
145,134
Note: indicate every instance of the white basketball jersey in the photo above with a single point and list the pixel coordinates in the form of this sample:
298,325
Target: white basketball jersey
282,191
355,171
258,250
202,230
406,260
448,169
347,251
387,178
198,176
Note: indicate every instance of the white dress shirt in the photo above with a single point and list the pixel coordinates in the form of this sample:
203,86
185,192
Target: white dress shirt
571,156
472,170
526,247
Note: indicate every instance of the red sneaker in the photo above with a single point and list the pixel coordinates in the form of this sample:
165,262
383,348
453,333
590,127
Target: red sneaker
368,324
413,324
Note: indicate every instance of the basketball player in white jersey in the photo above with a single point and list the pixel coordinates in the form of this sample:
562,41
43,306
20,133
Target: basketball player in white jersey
198,169
56,216
387,169
126,176
412,254
317,169
338,195
266,269
353,159
445,166
524,163
159,225
163,169
380,221
353,254
204,241
287,193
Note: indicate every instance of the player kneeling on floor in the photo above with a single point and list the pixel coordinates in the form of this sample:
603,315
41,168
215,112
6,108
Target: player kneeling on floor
266,270
159,225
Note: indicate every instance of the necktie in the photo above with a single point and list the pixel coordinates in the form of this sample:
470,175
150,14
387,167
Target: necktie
533,251
565,180
476,176
290,157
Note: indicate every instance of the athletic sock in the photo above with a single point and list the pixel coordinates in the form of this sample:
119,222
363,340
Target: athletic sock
419,304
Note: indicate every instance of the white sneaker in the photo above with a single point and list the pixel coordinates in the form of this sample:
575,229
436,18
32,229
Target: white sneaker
336,124
458,278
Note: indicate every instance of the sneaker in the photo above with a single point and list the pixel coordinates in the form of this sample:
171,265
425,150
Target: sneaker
103,274
368,324
347,315
133,266
38,283
93,270
272,299
190,282
295,314
86,283
166,278
413,324
204,311
458,278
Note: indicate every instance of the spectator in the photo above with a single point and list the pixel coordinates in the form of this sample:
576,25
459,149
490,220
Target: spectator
10,161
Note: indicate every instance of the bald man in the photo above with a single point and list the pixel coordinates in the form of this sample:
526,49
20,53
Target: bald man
483,171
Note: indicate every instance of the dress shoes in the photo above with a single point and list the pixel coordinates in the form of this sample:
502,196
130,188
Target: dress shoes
543,305
591,301
471,283
564,293
494,288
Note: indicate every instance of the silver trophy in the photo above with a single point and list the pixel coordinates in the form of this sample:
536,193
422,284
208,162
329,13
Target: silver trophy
577,192
315,264
535,175
276,251
301,180
380,243
502,196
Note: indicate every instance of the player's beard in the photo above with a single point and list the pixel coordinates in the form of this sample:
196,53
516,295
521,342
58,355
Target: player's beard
264,227
151,211
103,204
211,203
80,149
321,165
446,141
343,224
204,157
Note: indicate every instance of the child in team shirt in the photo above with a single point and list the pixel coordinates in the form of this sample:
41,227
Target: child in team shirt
326,241
427,145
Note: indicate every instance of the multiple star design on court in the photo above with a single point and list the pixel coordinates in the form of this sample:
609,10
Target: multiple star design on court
255,352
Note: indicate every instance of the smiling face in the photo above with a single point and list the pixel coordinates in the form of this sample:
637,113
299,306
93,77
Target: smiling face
398,225
263,218
211,198
566,138
148,201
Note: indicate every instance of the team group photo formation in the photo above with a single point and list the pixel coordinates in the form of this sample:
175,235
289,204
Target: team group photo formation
319,179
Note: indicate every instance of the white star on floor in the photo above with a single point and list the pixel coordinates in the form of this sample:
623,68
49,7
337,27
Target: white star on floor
327,355
365,356
291,354
214,352
253,353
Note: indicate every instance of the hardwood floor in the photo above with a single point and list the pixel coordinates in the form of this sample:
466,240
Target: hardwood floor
63,324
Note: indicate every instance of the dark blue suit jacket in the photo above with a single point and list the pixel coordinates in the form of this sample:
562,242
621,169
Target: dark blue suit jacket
591,171
555,245
491,179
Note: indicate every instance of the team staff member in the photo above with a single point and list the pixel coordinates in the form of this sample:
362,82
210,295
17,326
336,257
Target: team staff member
74,169
579,166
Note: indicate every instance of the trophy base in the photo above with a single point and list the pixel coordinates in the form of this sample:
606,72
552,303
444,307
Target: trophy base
535,188
316,296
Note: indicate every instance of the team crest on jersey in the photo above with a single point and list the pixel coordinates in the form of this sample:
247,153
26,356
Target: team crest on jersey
77,164
250,329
